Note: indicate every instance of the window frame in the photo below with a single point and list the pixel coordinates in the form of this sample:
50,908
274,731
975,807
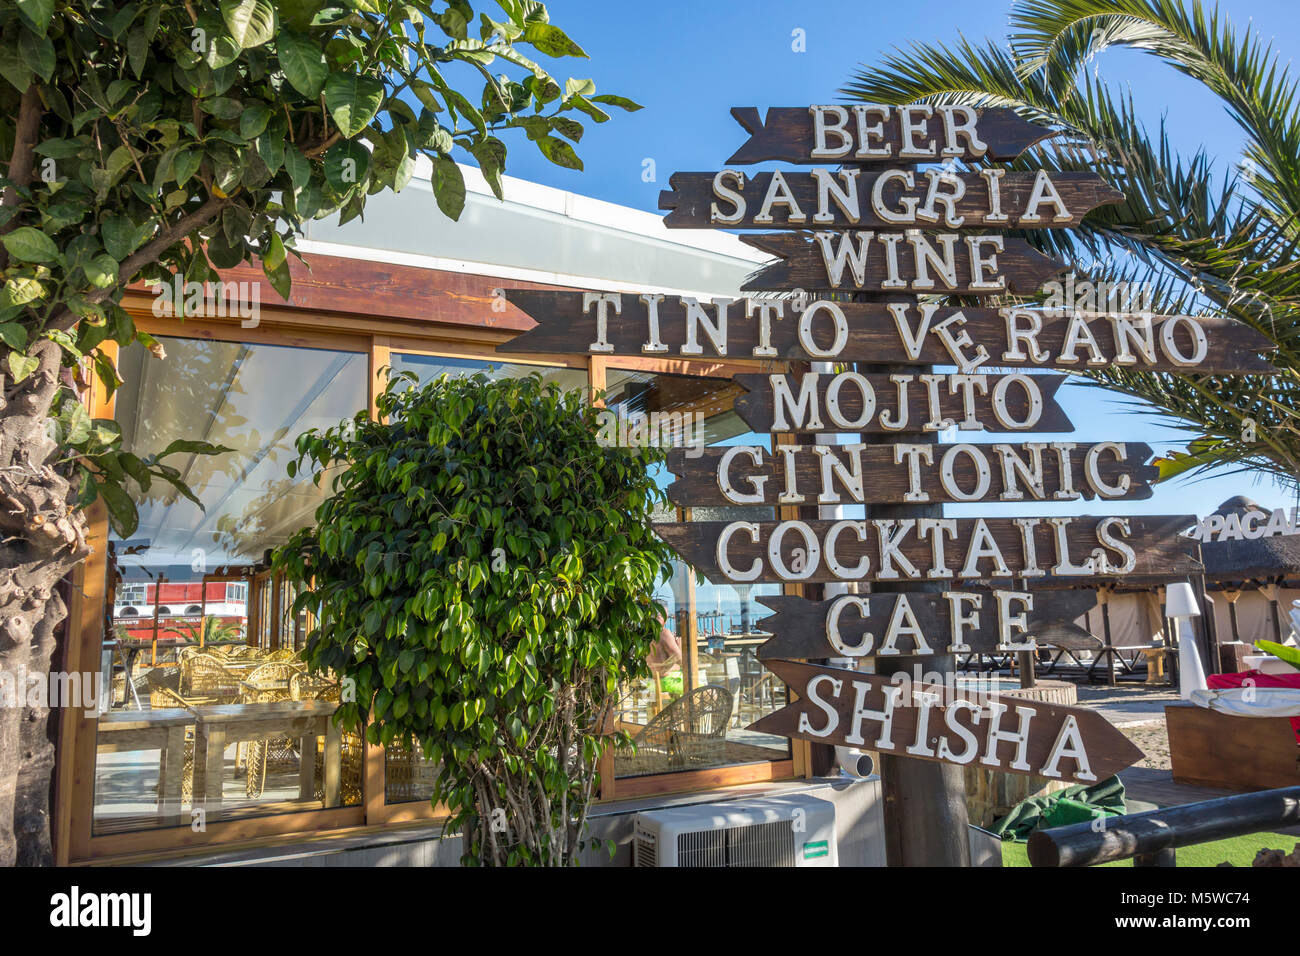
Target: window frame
377,338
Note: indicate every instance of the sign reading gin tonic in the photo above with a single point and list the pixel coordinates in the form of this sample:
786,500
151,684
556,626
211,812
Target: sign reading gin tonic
878,224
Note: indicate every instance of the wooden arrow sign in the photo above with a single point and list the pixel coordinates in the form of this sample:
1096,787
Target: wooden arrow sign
879,403
899,332
899,474
868,261
914,623
871,133
891,199
920,549
931,722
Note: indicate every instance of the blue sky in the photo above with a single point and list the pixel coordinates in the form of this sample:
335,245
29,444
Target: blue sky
688,63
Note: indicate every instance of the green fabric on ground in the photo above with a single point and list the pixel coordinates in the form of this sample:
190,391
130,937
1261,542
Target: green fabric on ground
1029,815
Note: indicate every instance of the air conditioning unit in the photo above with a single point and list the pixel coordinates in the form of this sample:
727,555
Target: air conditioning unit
795,830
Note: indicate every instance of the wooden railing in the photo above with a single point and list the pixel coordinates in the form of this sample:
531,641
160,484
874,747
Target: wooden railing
1152,838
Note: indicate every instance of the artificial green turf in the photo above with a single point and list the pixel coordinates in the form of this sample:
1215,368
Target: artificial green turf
1239,851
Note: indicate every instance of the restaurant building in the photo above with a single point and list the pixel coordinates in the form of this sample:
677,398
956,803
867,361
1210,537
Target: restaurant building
212,741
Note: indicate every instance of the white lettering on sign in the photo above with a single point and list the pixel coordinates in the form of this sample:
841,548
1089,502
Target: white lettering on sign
1247,526
837,135
890,540
743,470
799,406
955,729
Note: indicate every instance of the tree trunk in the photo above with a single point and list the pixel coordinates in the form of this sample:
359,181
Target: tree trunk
42,538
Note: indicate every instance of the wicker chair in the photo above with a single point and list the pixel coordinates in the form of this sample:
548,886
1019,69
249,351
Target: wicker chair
161,696
267,683
205,678
689,732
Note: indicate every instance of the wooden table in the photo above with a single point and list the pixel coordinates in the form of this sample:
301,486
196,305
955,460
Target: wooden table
162,730
220,725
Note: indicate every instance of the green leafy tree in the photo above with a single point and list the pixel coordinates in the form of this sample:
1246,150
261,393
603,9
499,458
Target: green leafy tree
483,572
145,139
1204,239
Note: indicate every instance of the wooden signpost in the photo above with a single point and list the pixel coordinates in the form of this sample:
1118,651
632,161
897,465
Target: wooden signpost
915,623
850,708
868,133
860,474
868,261
890,199
910,333
853,402
928,587
921,549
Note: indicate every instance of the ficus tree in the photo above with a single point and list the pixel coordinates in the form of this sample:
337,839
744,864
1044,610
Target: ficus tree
481,572
148,139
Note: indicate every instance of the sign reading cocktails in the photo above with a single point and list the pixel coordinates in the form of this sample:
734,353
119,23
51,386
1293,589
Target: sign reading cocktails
880,225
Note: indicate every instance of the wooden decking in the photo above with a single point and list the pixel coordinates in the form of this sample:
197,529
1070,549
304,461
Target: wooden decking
1158,787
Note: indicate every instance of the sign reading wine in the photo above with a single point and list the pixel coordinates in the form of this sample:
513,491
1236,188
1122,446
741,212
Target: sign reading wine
879,224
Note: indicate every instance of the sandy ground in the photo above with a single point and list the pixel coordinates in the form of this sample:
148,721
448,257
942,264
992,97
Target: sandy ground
1153,740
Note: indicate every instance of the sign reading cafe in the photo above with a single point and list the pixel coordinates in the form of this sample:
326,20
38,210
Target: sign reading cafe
903,238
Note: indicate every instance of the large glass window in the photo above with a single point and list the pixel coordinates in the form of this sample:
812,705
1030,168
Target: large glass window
211,709
706,683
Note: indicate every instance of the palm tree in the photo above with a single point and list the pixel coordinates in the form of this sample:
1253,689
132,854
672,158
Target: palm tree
210,630
1203,240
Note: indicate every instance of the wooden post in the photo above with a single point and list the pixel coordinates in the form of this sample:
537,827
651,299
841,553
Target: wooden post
1103,595
1206,629
925,816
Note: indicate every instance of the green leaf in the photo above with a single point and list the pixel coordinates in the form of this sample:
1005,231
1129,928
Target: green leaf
448,187
253,120
13,335
101,271
13,67
1282,652
280,278
346,165
559,152
20,291
298,166
20,366
122,514
30,245
37,13
491,156
251,22
303,63
352,101
118,234
622,102
550,40
189,446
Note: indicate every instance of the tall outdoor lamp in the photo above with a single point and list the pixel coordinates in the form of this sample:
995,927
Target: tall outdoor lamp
1180,605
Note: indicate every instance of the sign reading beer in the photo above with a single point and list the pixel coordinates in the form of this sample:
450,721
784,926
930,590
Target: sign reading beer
867,133
930,722
910,333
